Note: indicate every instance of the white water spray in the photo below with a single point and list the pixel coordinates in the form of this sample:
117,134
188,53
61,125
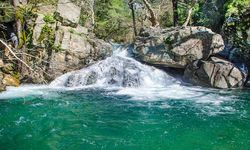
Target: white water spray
119,70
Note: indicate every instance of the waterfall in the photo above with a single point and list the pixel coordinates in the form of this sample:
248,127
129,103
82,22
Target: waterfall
119,70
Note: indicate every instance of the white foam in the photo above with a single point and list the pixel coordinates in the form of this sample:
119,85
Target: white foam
23,91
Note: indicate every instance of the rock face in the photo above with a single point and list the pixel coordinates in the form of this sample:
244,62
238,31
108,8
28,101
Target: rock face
215,72
68,12
6,79
71,47
80,53
177,47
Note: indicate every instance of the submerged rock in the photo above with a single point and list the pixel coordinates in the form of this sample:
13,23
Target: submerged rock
215,72
177,47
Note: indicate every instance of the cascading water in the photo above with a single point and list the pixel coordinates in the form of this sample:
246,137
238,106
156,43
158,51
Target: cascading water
119,70
119,103
120,74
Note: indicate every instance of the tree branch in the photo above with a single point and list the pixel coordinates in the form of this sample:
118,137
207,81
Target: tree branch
10,50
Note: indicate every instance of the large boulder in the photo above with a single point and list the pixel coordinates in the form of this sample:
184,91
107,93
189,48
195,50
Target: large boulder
81,52
215,72
71,47
68,13
177,47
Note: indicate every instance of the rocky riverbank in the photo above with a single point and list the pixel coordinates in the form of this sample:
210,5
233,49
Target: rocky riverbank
194,50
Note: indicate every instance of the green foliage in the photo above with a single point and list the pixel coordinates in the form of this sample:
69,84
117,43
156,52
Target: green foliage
182,15
112,17
236,27
209,14
7,12
47,36
166,20
23,14
49,19
236,6
83,17
47,2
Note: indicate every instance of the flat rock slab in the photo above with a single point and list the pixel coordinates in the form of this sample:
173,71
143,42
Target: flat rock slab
68,11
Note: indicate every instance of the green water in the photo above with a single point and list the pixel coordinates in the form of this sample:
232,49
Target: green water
99,119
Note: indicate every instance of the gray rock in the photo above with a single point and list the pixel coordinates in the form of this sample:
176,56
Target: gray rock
215,72
68,11
177,47
77,52
39,24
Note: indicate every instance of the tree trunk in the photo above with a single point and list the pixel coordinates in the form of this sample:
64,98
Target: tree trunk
153,18
131,6
175,12
188,17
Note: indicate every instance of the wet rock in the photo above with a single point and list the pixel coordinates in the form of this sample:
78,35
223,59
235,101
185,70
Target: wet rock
91,78
177,47
215,72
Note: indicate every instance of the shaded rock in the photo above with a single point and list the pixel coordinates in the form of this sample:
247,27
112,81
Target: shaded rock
215,72
9,80
177,47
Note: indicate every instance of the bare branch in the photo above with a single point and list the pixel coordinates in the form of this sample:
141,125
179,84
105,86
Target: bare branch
10,50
